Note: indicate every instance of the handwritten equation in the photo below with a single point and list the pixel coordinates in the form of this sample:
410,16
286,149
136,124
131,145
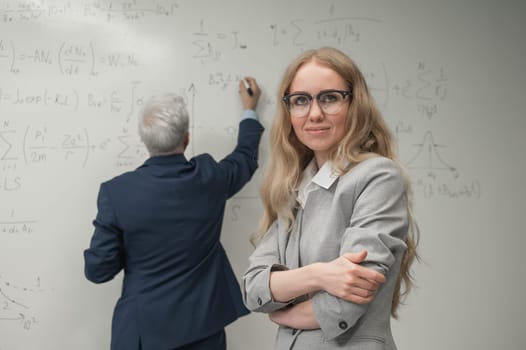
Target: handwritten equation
13,225
13,307
428,87
110,11
41,144
208,39
69,58
17,227
330,31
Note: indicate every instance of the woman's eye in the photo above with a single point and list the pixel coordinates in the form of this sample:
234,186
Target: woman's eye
300,101
329,97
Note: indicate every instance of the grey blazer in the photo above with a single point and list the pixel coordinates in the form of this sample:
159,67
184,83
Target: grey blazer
363,209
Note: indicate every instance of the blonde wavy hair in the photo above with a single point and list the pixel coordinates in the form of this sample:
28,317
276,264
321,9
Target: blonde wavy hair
367,135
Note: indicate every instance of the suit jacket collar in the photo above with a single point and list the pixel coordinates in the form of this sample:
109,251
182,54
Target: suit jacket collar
171,159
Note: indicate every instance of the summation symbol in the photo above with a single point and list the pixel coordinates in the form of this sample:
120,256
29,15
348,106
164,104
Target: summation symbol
6,146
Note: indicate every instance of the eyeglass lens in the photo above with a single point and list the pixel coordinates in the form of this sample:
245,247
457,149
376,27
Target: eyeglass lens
330,102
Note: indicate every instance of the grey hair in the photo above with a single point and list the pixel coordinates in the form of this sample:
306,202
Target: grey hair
163,123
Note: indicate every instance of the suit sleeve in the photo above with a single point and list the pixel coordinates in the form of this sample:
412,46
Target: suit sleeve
378,224
104,258
256,280
240,165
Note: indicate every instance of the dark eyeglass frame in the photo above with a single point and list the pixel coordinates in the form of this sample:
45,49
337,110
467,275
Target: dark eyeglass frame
286,98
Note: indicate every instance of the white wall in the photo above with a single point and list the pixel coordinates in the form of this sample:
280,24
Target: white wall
448,75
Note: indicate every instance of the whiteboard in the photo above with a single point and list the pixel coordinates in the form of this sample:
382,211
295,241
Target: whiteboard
448,75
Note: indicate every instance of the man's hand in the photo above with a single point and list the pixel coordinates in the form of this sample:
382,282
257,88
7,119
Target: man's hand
249,98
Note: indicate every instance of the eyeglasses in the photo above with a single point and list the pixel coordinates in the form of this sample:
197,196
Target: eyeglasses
330,102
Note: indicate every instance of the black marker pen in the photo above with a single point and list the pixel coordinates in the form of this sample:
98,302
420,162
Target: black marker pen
249,89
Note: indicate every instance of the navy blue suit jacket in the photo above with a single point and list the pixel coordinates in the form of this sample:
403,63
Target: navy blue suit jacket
161,223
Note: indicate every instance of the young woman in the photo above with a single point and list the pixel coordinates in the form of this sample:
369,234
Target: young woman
337,238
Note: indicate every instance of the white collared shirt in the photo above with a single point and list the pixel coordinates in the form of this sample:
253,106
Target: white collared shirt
312,177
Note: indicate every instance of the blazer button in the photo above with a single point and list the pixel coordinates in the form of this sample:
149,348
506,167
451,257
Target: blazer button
259,301
342,325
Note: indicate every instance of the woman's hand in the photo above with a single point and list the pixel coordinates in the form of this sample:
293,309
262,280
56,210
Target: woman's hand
345,279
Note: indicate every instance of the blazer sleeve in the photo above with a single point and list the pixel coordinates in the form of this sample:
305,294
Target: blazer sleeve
378,224
240,165
256,280
104,258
